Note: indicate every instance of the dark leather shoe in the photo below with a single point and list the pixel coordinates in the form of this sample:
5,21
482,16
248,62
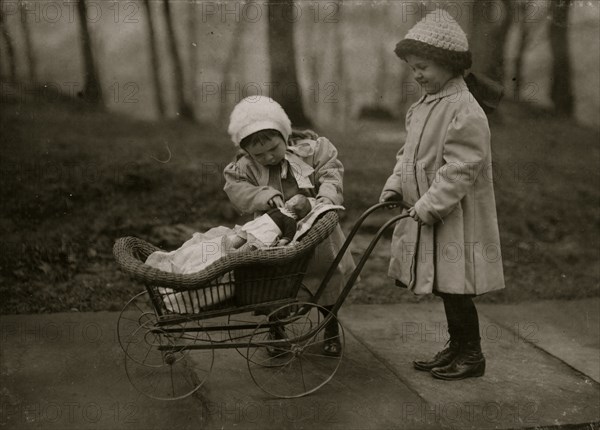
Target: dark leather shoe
442,358
332,345
276,333
469,363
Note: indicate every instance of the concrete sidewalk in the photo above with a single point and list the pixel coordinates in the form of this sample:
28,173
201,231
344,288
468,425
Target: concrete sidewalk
65,371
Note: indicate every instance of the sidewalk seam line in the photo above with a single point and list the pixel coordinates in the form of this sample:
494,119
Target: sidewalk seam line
545,351
391,369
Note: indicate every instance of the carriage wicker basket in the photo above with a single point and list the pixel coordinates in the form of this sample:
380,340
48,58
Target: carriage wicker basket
237,280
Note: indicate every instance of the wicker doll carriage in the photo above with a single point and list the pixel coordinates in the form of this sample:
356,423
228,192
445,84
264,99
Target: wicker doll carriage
170,331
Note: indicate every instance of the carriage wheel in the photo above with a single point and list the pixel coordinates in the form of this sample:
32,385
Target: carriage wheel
252,319
243,335
137,312
166,375
297,366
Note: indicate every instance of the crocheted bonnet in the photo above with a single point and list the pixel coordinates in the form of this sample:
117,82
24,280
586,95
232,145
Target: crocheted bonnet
256,113
438,37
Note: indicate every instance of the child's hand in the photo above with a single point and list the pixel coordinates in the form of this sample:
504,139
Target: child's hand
283,242
276,202
389,195
414,215
324,201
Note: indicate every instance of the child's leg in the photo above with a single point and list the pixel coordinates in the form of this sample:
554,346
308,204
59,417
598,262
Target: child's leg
463,325
331,345
461,314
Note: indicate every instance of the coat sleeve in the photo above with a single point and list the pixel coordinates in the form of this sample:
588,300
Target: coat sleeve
243,192
329,172
466,148
394,182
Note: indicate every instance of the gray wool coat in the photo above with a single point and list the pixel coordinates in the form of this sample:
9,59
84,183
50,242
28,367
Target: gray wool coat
444,169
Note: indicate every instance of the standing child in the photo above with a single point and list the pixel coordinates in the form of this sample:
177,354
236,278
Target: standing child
272,166
444,170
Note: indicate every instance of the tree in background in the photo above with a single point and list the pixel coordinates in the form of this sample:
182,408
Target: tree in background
489,27
282,58
92,91
233,63
183,108
31,63
561,92
154,63
10,48
193,51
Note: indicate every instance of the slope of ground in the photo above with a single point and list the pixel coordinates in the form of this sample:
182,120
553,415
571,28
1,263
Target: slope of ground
74,180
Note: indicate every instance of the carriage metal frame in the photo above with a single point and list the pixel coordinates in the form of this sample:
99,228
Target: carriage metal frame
267,299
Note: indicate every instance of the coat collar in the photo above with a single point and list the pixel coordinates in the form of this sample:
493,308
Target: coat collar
299,169
453,86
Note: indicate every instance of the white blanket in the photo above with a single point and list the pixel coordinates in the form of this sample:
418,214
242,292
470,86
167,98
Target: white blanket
204,249
193,256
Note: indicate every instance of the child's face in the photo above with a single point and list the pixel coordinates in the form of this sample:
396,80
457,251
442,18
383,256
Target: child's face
431,76
269,153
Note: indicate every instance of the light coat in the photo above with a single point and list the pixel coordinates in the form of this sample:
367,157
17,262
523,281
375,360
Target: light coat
444,169
247,186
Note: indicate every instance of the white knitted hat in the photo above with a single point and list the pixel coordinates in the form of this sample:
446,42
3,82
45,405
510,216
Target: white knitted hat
256,113
439,29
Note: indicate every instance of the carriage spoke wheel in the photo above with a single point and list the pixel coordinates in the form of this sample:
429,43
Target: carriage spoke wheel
167,374
139,312
136,313
244,335
297,366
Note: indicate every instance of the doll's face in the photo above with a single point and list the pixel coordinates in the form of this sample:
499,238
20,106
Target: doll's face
269,153
431,76
299,205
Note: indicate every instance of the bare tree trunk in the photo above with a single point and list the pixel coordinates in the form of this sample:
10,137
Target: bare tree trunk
282,56
193,47
315,37
501,36
92,91
154,63
491,21
233,58
10,49
31,63
342,93
380,15
523,40
183,108
561,93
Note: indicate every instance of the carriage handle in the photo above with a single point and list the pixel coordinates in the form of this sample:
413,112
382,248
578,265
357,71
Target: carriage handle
389,205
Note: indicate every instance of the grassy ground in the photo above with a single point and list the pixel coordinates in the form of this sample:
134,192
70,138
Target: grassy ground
74,180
